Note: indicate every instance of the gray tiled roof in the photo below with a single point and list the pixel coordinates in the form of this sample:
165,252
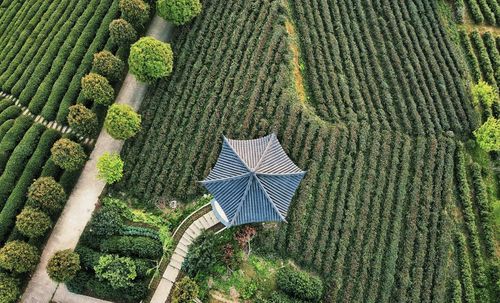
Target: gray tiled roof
253,180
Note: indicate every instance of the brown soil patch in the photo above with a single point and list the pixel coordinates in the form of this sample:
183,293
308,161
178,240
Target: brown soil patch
297,74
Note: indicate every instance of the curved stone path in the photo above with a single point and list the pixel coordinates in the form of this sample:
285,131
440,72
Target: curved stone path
84,197
162,292
49,124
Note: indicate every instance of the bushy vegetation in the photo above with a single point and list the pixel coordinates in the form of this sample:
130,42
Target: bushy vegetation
9,288
68,154
18,257
110,168
135,12
108,65
118,271
185,291
299,284
82,120
63,265
488,135
97,88
178,11
122,122
122,33
33,223
150,59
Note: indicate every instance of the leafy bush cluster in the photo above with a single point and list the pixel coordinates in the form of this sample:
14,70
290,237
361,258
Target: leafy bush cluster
150,59
178,11
63,265
68,154
133,246
110,168
122,33
135,11
32,222
47,194
97,88
483,11
118,271
108,65
122,122
82,120
18,257
185,291
299,284
9,288
488,135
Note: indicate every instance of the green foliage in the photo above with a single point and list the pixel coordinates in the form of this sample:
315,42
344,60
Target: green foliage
9,289
133,246
203,256
97,88
299,284
118,271
150,59
108,65
19,257
68,154
110,168
185,291
135,11
122,122
484,94
122,33
32,222
488,135
63,266
82,120
178,11
47,194
105,222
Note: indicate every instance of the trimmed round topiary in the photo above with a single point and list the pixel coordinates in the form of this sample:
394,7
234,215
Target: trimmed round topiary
19,257
135,11
47,194
32,222
150,59
9,288
122,33
63,266
82,120
97,88
185,291
122,122
68,154
108,65
178,11
110,168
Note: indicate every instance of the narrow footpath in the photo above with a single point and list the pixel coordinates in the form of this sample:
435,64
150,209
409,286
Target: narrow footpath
84,197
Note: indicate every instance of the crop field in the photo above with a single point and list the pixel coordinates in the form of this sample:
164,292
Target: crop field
393,208
47,46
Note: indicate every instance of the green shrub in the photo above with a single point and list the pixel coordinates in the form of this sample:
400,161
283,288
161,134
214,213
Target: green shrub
106,222
279,297
133,246
9,289
63,266
108,65
488,135
185,291
299,284
484,94
19,257
110,168
122,122
68,154
122,33
32,222
118,271
82,120
97,88
150,59
178,11
47,194
135,11
203,255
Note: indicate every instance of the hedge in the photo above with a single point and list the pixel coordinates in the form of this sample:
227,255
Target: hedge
133,246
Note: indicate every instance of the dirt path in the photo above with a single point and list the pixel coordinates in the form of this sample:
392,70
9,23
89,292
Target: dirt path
83,198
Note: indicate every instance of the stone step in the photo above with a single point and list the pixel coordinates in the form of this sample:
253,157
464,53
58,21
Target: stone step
180,252
197,224
182,247
171,273
185,242
175,264
162,291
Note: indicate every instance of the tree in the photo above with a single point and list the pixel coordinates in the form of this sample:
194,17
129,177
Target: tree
483,93
244,236
122,33
106,222
122,122
135,12
32,222
97,88
110,168
47,194
18,256
488,135
150,59
185,291
9,288
63,266
108,65
118,271
178,11
82,120
68,154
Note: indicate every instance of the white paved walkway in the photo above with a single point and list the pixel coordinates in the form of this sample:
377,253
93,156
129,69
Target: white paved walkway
170,275
83,198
